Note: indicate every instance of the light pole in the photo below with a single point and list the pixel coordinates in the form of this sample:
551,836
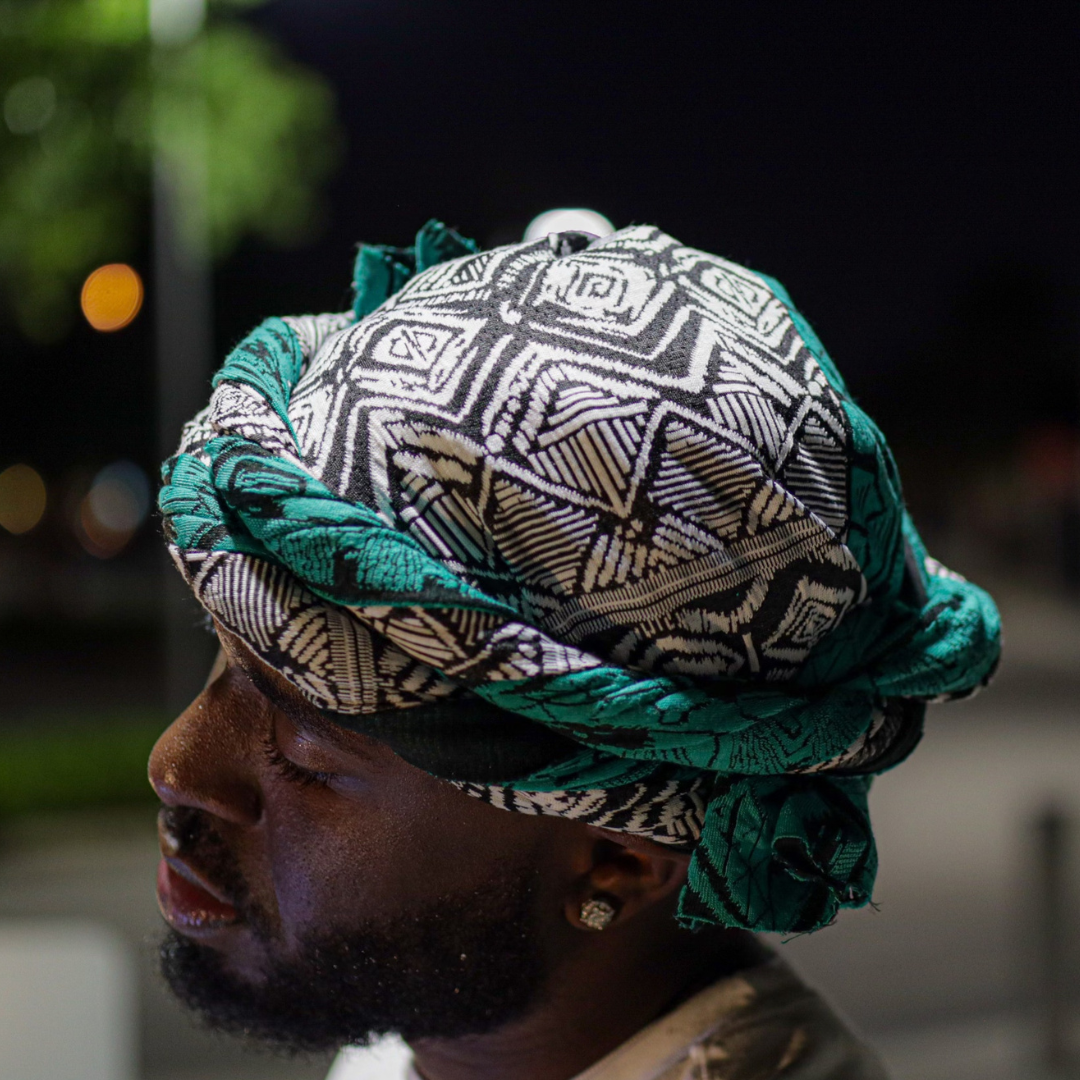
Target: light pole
1053,833
183,317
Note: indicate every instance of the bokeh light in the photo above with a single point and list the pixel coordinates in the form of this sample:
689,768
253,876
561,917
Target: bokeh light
176,22
113,509
22,498
111,297
29,105
1050,459
570,220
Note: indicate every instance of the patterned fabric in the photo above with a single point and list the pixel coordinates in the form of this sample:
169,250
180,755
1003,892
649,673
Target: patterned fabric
611,491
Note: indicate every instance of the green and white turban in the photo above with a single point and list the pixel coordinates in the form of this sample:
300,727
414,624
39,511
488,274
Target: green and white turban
589,527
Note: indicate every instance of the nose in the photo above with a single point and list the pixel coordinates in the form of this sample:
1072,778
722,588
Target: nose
205,758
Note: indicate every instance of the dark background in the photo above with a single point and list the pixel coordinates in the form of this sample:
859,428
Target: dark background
910,177
909,173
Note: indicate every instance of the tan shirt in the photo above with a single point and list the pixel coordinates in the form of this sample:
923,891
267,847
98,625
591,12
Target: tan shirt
761,1024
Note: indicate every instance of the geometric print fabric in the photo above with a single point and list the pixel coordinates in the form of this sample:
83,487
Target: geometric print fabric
623,465
626,440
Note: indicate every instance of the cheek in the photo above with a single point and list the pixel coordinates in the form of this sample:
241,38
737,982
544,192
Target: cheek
326,863
338,862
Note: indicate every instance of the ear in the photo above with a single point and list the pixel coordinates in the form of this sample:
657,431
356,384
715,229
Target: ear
629,874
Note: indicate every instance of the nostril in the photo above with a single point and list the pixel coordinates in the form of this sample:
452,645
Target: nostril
181,827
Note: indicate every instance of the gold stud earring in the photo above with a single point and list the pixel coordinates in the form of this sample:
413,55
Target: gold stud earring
597,914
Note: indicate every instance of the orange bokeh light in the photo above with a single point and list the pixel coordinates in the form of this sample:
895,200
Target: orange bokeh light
22,498
111,297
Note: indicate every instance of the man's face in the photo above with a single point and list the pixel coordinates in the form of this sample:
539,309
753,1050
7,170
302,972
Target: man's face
319,888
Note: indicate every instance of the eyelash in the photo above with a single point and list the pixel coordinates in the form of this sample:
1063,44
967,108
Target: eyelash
290,770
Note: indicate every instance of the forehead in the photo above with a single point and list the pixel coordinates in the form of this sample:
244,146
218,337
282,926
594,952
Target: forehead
279,693
275,690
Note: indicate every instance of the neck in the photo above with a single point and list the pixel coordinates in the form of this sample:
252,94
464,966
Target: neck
597,997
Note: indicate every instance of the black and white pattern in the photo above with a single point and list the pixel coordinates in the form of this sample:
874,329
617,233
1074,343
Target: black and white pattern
669,811
630,443
626,440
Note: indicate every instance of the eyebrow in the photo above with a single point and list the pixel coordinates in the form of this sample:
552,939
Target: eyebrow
303,715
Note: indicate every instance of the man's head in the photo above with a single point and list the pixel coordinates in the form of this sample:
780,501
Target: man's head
319,888
590,530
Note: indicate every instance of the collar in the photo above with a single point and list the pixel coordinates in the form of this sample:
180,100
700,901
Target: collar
666,1041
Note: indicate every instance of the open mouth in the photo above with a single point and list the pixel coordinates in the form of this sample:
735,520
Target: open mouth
189,904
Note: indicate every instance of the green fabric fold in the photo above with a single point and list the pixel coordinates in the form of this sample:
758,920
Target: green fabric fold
781,853
381,271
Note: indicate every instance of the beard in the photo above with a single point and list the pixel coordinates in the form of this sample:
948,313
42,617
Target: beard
466,965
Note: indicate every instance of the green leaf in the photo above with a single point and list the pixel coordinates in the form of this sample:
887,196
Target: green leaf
250,135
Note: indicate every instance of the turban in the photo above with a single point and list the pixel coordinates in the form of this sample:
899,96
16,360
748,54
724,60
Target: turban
588,527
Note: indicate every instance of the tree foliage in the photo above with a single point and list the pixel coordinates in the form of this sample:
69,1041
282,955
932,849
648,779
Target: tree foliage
87,100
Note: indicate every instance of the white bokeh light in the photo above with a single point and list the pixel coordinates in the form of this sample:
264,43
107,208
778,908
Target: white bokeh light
113,509
120,497
569,220
176,22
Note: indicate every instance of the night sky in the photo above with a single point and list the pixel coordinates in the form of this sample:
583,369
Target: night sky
912,181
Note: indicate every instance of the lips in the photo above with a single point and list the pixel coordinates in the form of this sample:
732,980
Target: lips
189,904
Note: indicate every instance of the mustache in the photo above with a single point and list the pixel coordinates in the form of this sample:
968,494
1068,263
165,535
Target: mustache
198,842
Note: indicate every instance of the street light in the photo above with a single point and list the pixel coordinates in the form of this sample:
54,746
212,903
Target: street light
182,309
568,220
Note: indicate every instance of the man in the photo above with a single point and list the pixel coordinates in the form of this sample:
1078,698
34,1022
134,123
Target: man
567,605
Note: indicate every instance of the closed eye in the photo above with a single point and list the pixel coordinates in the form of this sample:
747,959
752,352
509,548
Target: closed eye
292,772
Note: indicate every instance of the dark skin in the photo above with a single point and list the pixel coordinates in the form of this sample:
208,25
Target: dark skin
315,852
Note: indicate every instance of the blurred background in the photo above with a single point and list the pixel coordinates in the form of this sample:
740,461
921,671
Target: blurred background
174,171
